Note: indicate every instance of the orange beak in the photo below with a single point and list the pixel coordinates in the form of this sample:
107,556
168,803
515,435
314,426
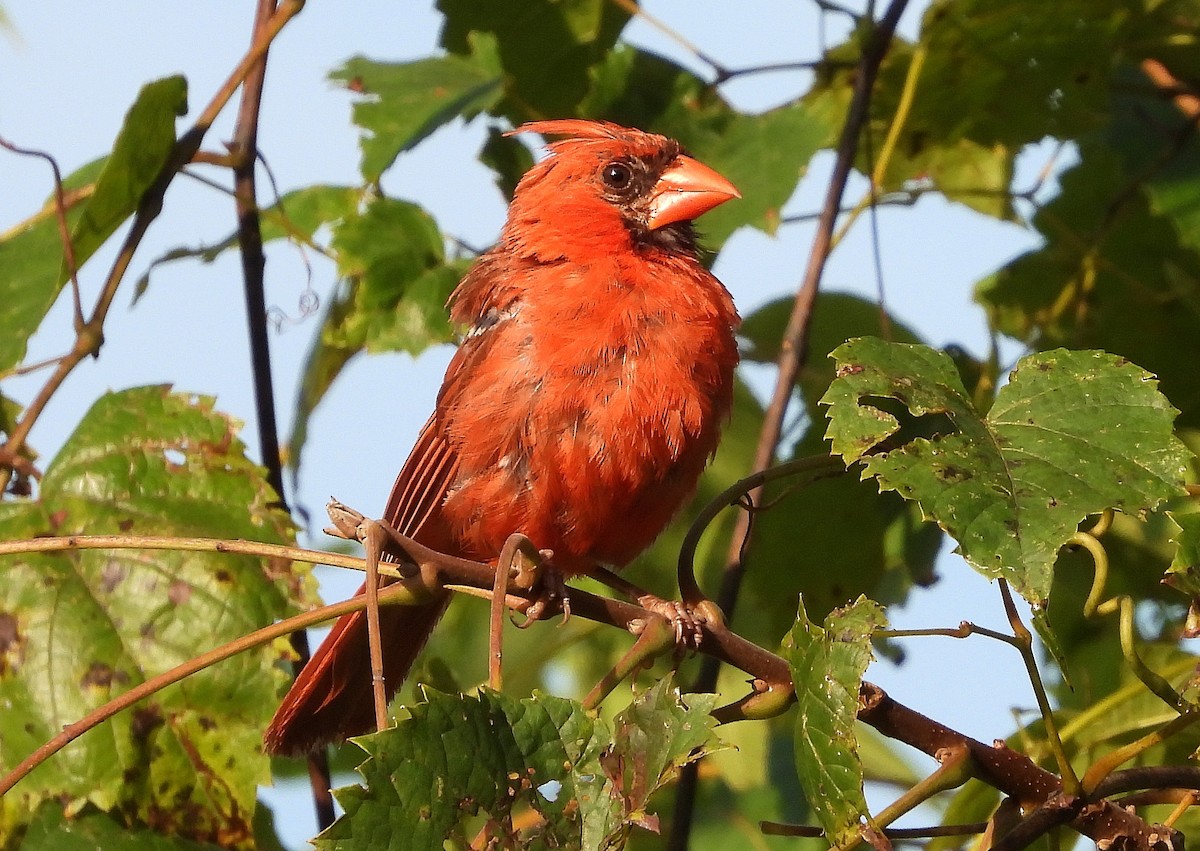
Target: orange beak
686,190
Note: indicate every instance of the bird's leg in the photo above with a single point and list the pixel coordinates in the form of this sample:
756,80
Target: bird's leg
530,570
689,619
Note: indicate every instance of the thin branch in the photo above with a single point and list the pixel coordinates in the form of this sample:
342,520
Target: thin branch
243,154
1025,646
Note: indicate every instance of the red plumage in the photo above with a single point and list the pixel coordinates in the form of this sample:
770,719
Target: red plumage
580,409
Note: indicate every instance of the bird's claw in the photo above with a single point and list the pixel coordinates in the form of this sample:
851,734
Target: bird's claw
551,595
689,620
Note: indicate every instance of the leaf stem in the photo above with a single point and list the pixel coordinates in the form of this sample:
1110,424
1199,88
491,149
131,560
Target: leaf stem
1024,645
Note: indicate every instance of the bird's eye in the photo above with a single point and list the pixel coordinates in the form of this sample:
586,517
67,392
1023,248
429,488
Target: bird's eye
616,176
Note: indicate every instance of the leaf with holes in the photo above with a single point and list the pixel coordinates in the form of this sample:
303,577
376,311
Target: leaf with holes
79,628
827,669
459,756
1071,434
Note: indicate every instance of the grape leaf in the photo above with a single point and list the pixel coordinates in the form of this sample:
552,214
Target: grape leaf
78,628
1071,434
827,669
459,756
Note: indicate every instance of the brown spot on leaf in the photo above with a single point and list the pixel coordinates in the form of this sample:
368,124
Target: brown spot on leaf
112,575
146,719
98,675
180,592
126,524
12,643
849,369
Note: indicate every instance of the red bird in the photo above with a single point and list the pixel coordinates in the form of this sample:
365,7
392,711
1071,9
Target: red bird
583,404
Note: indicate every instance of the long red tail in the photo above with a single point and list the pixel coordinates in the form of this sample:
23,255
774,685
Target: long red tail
331,698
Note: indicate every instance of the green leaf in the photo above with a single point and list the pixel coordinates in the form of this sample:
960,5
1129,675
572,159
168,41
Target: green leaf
84,626
763,155
1113,274
1071,434
1157,143
32,268
935,148
397,284
867,543
404,102
1184,572
52,831
545,47
827,669
1035,70
457,757
143,147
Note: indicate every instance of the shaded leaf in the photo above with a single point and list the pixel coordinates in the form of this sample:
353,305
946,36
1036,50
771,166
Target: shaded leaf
545,47
935,149
51,831
1071,434
1113,273
827,669
32,268
402,103
397,281
84,626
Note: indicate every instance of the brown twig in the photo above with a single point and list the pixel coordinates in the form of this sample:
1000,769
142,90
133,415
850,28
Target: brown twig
243,154
64,229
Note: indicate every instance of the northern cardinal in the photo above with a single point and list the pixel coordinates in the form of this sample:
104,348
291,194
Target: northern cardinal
581,407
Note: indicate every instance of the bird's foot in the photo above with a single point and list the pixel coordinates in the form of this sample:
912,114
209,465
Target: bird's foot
689,619
550,596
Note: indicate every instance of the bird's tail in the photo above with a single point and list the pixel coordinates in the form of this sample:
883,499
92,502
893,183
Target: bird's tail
332,697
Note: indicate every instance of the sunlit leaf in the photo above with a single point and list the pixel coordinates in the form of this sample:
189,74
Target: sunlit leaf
402,103
1071,434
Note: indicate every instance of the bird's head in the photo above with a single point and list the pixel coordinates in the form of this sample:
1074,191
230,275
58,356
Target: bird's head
605,187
